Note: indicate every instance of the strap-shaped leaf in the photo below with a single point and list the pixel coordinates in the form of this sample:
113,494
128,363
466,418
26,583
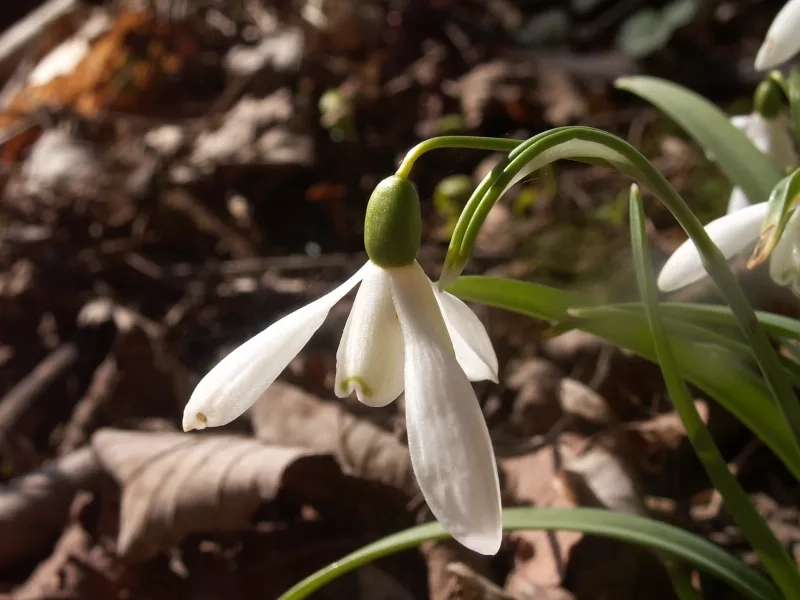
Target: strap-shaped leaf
744,164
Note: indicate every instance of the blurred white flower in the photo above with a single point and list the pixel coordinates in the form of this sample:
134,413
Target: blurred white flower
735,234
782,41
772,137
402,334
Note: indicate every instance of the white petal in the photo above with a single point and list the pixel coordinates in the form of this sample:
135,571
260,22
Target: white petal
370,356
784,262
771,136
741,122
737,201
782,41
473,348
238,380
732,233
447,435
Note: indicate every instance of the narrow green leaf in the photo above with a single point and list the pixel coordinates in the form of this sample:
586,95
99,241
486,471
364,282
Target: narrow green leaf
638,530
783,198
706,315
718,372
792,87
740,160
769,549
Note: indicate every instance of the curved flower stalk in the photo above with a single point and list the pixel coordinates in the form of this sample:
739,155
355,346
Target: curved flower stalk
403,334
736,234
771,136
782,41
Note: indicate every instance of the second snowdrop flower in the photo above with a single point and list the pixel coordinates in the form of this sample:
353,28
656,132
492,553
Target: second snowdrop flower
735,234
402,335
782,41
771,136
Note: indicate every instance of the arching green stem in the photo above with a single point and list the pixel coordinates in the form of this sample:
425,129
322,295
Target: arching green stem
453,141
572,142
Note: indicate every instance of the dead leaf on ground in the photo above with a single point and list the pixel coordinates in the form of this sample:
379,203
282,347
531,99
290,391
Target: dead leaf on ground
443,582
601,474
253,132
562,100
34,507
504,82
572,472
61,573
175,484
535,409
125,68
533,479
59,159
665,431
581,401
138,378
285,414
282,50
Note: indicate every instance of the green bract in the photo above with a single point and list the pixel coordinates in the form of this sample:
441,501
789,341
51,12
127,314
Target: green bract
768,99
393,224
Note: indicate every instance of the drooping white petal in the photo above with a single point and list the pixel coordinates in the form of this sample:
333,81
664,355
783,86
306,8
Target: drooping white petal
771,136
447,435
231,387
370,356
473,348
782,41
784,262
732,233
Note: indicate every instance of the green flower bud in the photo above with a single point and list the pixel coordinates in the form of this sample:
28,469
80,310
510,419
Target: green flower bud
393,223
768,99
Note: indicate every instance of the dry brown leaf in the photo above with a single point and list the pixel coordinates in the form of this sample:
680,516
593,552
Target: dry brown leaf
600,475
665,431
570,473
501,81
254,131
533,480
123,69
34,507
139,378
535,408
582,401
562,100
61,573
175,484
282,50
285,414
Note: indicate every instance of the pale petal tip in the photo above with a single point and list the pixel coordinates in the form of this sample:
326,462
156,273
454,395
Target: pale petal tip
194,420
483,542
765,58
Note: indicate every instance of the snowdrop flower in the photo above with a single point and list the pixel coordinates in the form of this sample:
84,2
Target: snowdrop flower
782,41
771,136
735,234
403,334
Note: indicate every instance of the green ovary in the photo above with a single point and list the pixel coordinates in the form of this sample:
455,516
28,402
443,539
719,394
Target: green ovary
359,381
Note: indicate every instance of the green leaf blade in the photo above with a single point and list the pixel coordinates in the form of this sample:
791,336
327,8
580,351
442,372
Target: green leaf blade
717,372
635,529
739,159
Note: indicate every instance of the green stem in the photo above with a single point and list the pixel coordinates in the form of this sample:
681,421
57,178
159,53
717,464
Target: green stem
793,95
664,538
453,141
485,185
681,579
630,161
772,553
